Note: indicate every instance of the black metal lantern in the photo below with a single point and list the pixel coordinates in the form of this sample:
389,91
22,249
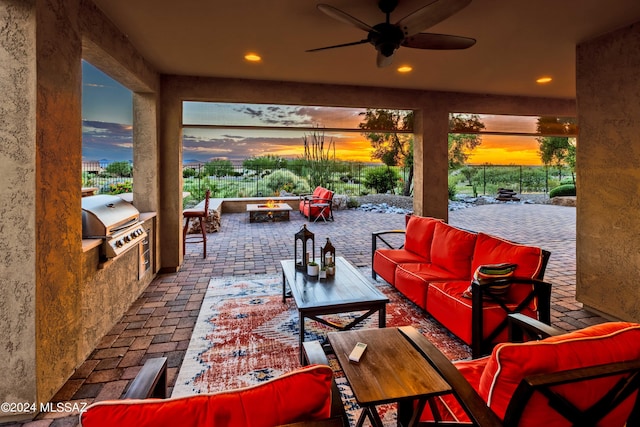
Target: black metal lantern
302,256
328,255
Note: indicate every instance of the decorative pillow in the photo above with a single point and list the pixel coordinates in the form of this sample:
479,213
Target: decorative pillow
495,276
301,395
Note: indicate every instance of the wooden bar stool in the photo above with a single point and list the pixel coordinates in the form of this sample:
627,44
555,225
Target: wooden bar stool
201,214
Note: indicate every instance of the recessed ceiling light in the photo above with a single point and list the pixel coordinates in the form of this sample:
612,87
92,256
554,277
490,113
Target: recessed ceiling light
253,57
543,80
405,68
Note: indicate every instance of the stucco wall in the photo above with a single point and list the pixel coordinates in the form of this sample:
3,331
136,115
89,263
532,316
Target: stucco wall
608,174
55,305
17,201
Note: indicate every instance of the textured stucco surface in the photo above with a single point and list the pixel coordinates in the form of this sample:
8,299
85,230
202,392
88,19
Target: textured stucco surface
608,158
55,304
17,210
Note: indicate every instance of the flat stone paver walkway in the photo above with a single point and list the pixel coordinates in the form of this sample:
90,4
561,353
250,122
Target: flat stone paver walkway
160,322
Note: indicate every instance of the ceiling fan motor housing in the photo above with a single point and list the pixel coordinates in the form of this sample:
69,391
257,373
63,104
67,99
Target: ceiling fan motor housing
386,38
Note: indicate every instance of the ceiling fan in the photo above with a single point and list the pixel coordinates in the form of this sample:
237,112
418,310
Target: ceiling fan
387,37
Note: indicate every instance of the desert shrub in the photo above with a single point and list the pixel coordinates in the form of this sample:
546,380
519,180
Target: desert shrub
121,187
452,191
382,179
563,190
286,180
352,203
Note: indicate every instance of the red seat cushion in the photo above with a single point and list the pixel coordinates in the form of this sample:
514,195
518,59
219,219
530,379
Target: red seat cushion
446,303
595,345
448,407
452,249
413,280
385,262
301,395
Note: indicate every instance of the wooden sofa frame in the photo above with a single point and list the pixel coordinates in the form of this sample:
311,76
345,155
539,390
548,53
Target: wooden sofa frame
480,345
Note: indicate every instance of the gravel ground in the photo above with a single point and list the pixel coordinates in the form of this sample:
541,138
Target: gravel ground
406,202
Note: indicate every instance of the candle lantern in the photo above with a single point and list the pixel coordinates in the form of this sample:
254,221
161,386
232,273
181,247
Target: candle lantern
328,255
301,253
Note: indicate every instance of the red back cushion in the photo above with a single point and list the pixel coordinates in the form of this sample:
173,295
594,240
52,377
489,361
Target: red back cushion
452,249
324,194
318,191
419,235
493,250
301,395
600,344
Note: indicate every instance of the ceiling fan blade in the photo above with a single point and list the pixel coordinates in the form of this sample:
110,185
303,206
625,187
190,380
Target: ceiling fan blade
429,15
344,17
338,45
438,41
383,61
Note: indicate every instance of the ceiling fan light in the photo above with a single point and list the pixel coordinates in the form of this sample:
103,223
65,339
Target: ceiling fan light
253,57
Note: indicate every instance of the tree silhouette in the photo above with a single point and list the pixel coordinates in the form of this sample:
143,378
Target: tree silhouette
389,146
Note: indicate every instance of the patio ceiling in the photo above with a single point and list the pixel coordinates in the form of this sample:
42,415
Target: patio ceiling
517,42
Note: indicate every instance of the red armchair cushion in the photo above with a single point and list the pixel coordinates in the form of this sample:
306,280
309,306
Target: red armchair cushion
595,345
419,235
493,250
448,407
452,249
300,395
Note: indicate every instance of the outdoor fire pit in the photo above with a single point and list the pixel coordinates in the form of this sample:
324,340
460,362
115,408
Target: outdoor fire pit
268,212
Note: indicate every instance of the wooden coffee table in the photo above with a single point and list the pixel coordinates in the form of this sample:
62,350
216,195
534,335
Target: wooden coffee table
391,370
345,292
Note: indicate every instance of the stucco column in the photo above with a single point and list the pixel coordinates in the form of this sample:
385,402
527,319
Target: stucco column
145,152
170,171
17,203
431,196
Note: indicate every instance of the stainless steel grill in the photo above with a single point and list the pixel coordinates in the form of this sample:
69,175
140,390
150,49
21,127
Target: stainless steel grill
115,221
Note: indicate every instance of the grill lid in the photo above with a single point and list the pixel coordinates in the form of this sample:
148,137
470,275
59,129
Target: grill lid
102,215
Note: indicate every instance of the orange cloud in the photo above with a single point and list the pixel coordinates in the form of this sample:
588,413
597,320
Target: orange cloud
506,150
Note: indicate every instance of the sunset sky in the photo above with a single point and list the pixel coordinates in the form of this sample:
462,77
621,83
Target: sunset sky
107,124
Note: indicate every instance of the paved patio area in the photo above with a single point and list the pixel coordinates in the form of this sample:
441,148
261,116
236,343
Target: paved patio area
160,322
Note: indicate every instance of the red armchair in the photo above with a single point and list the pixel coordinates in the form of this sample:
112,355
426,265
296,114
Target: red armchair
304,397
588,377
318,205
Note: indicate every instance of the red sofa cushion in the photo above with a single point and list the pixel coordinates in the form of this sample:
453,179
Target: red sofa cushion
493,250
385,262
595,345
304,394
446,303
413,280
419,235
452,249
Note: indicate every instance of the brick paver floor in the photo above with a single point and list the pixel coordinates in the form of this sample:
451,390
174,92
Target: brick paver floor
160,322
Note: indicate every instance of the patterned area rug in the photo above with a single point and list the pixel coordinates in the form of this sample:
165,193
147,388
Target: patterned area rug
245,335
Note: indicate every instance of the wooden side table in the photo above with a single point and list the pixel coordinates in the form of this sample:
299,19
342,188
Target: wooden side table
391,370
